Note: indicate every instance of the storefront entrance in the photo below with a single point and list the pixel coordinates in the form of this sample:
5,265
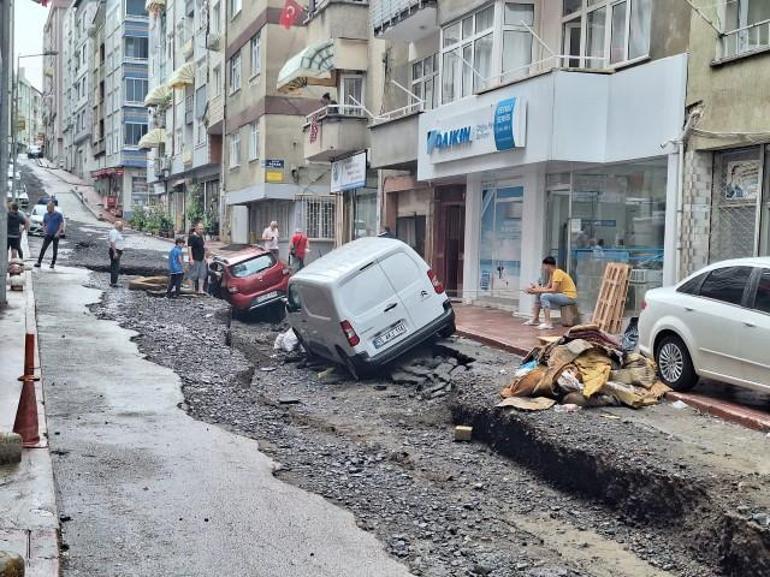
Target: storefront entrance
612,213
500,246
449,238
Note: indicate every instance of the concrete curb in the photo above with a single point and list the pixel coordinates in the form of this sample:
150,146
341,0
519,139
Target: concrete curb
490,341
725,410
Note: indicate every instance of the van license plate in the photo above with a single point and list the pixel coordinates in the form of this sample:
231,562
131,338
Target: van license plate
389,335
267,296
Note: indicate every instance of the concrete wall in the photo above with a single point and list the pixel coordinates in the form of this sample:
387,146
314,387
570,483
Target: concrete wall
734,94
669,28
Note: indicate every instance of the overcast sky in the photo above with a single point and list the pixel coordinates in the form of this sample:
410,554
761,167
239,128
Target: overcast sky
30,21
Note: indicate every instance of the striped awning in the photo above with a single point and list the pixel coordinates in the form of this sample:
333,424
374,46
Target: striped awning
154,6
183,76
311,66
153,139
158,96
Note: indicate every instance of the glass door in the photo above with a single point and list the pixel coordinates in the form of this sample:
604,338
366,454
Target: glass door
558,227
500,247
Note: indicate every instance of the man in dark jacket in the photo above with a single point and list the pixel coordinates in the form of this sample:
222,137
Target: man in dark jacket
16,221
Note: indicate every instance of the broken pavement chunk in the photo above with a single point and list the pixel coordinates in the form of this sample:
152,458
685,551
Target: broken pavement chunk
463,433
528,404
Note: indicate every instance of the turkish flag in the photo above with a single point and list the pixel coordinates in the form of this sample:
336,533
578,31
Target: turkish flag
291,12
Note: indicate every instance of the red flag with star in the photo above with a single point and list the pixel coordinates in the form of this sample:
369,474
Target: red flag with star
290,14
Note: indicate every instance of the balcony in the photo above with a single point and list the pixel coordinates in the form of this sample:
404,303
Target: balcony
744,41
330,19
334,131
216,114
394,138
404,20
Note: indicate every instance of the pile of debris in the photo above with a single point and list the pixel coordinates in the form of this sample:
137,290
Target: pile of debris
431,376
584,368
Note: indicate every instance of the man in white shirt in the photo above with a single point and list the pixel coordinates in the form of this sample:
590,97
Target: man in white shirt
270,238
117,244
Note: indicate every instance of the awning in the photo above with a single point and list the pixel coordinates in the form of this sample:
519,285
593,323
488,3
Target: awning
158,96
154,6
311,66
183,76
153,139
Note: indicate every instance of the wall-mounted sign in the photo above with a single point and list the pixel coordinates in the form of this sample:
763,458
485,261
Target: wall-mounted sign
349,173
274,175
481,130
273,163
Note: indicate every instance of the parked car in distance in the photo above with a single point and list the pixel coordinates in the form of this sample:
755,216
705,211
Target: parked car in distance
366,303
714,324
36,220
34,151
45,199
250,279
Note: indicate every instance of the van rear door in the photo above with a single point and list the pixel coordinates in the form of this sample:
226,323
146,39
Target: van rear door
408,275
374,310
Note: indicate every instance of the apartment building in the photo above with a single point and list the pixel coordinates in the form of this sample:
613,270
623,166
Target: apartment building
53,81
29,113
535,128
726,190
78,86
121,177
265,175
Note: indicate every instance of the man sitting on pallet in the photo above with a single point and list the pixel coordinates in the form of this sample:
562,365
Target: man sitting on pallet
559,292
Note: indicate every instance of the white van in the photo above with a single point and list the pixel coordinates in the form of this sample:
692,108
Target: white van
367,302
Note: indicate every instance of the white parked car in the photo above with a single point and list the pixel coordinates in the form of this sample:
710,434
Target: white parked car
36,220
714,324
367,302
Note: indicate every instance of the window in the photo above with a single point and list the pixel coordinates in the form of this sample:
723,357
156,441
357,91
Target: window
254,50
624,25
216,15
692,286
235,73
253,266
351,93
235,149
745,26
319,217
136,90
466,54
133,132
425,80
217,81
726,284
136,47
762,298
235,8
517,40
135,8
254,141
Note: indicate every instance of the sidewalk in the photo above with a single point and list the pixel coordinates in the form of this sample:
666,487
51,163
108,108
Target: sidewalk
29,523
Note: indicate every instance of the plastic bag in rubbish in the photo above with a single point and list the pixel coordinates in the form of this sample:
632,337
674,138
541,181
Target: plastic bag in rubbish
525,369
631,336
286,341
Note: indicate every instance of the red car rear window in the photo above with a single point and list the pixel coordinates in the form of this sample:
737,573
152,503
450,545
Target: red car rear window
252,266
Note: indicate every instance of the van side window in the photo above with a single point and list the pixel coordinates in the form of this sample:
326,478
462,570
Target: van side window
366,290
402,271
294,298
317,304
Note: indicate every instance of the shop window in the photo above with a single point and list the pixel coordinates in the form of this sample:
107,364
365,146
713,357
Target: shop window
500,247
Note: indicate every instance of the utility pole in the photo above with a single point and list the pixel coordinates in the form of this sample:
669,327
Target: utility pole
6,61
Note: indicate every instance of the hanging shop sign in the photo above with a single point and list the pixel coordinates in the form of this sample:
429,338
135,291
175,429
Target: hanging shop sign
481,130
349,173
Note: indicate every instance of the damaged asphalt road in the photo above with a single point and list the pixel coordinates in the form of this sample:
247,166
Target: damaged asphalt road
384,449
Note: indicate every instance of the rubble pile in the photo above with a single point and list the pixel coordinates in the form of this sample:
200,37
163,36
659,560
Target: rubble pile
584,368
432,377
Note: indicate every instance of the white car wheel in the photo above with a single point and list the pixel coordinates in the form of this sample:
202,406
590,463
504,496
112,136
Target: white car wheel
674,364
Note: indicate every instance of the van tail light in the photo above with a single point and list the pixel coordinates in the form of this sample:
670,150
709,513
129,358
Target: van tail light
437,284
350,334
644,304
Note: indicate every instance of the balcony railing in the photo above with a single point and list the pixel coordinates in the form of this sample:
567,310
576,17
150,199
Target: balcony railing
745,40
386,13
316,6
336,111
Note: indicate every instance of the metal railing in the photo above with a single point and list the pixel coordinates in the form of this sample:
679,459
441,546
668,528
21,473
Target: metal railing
745,40
337,111
386,12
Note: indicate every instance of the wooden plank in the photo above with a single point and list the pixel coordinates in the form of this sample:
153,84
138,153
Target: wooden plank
610,304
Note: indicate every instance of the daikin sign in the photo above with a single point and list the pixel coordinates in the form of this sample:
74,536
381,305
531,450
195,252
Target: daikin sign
448,138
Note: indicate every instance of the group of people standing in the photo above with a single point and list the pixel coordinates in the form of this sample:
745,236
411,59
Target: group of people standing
299,245
197,270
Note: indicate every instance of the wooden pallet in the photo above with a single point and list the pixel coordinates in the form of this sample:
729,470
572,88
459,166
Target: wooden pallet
611,303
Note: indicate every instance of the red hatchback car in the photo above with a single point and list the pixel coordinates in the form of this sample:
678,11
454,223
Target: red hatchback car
250,279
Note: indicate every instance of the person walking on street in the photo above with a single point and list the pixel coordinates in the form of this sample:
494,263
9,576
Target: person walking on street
16,221
270,237
175,269
117,245
298,248
196,248
53,226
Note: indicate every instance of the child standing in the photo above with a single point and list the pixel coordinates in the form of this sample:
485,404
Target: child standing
175,269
